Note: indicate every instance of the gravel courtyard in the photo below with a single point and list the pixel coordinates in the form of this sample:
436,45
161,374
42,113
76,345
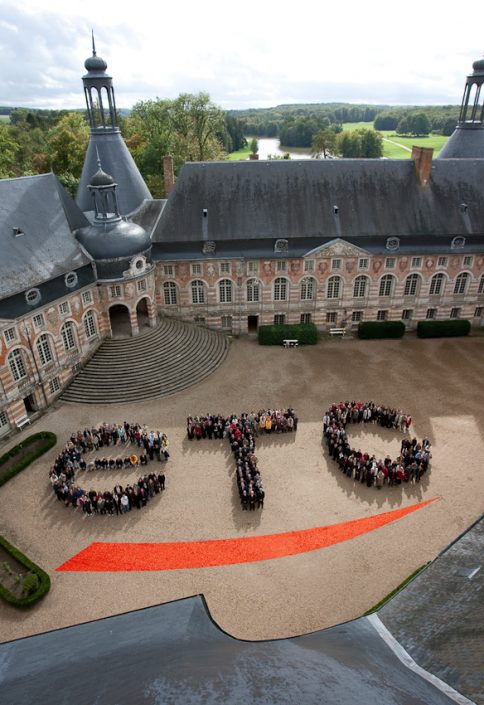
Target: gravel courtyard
439,382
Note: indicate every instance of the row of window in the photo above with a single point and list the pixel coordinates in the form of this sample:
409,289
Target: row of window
356,316
10,334
382,315
309,264
44,346
334,288
116,290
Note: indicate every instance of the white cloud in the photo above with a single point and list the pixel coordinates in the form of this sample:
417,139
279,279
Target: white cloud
254,54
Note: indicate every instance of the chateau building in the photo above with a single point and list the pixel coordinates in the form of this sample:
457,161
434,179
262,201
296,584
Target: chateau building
233,246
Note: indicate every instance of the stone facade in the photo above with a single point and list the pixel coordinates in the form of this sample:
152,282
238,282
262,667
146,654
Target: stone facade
338,284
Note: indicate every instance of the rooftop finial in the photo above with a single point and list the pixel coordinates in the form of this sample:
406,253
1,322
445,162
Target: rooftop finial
93,44
98,159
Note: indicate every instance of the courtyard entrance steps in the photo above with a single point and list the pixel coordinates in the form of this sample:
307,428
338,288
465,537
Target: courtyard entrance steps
173,356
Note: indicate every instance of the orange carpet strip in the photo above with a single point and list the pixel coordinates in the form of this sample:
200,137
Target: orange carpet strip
182,555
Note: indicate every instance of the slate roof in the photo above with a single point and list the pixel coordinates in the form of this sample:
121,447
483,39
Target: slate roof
175,654
47,249
465,143
118,163
375,199
15,306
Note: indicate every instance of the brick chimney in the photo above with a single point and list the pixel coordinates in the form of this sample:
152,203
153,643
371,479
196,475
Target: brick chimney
422,156
168,174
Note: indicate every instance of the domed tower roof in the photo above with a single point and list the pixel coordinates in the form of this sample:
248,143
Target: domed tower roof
100,178
111,240
94,63
467,140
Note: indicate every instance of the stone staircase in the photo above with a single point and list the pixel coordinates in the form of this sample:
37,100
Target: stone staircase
171,357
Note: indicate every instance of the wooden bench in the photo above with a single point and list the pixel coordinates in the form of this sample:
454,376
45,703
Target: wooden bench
290,343
22,421
338,331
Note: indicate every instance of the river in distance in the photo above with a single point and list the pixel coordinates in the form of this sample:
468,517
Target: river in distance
269,145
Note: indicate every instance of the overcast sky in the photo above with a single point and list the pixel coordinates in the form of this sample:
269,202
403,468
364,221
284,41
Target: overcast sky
254,53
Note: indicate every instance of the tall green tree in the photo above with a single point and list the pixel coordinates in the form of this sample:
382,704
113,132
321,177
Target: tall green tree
360,144
371,144
324,144
196,122
9,151
419,124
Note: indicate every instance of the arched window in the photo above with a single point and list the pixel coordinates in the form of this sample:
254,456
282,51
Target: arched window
461,283
386,285
307,289
17,364
437,284
225,291
481,285
44,349
90,324
411,285
280,289
198,292
68,338
253,291
360,287
170,293
334,288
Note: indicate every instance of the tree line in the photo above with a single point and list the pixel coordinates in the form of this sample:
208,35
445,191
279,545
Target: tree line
190,128
296,125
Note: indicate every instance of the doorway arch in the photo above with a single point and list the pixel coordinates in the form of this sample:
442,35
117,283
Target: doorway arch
120,321
143,310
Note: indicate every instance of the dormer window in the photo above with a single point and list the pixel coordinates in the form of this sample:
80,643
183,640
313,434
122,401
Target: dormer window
17,232
458,242
70,280
393,243
32,297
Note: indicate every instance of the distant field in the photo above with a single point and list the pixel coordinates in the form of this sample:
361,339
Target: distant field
398,147
4,118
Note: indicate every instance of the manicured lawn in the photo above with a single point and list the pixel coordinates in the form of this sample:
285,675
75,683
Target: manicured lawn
398,147
435,141
241,154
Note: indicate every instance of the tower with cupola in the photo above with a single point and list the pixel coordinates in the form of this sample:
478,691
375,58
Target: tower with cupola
106,142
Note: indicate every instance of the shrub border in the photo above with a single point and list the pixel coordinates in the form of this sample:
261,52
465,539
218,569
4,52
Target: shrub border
50,441
44,580
448,328
377,330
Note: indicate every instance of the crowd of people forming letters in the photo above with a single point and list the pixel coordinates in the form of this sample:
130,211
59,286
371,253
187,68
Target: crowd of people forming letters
242,432
411,464
121,446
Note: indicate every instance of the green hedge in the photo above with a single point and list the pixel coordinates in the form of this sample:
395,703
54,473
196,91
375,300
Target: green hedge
43,582
443,329
306,333
381,329
50,441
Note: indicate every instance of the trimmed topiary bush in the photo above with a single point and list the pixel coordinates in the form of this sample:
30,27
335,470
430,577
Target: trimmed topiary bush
35,583
49,440
381,329
306,333
443,329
